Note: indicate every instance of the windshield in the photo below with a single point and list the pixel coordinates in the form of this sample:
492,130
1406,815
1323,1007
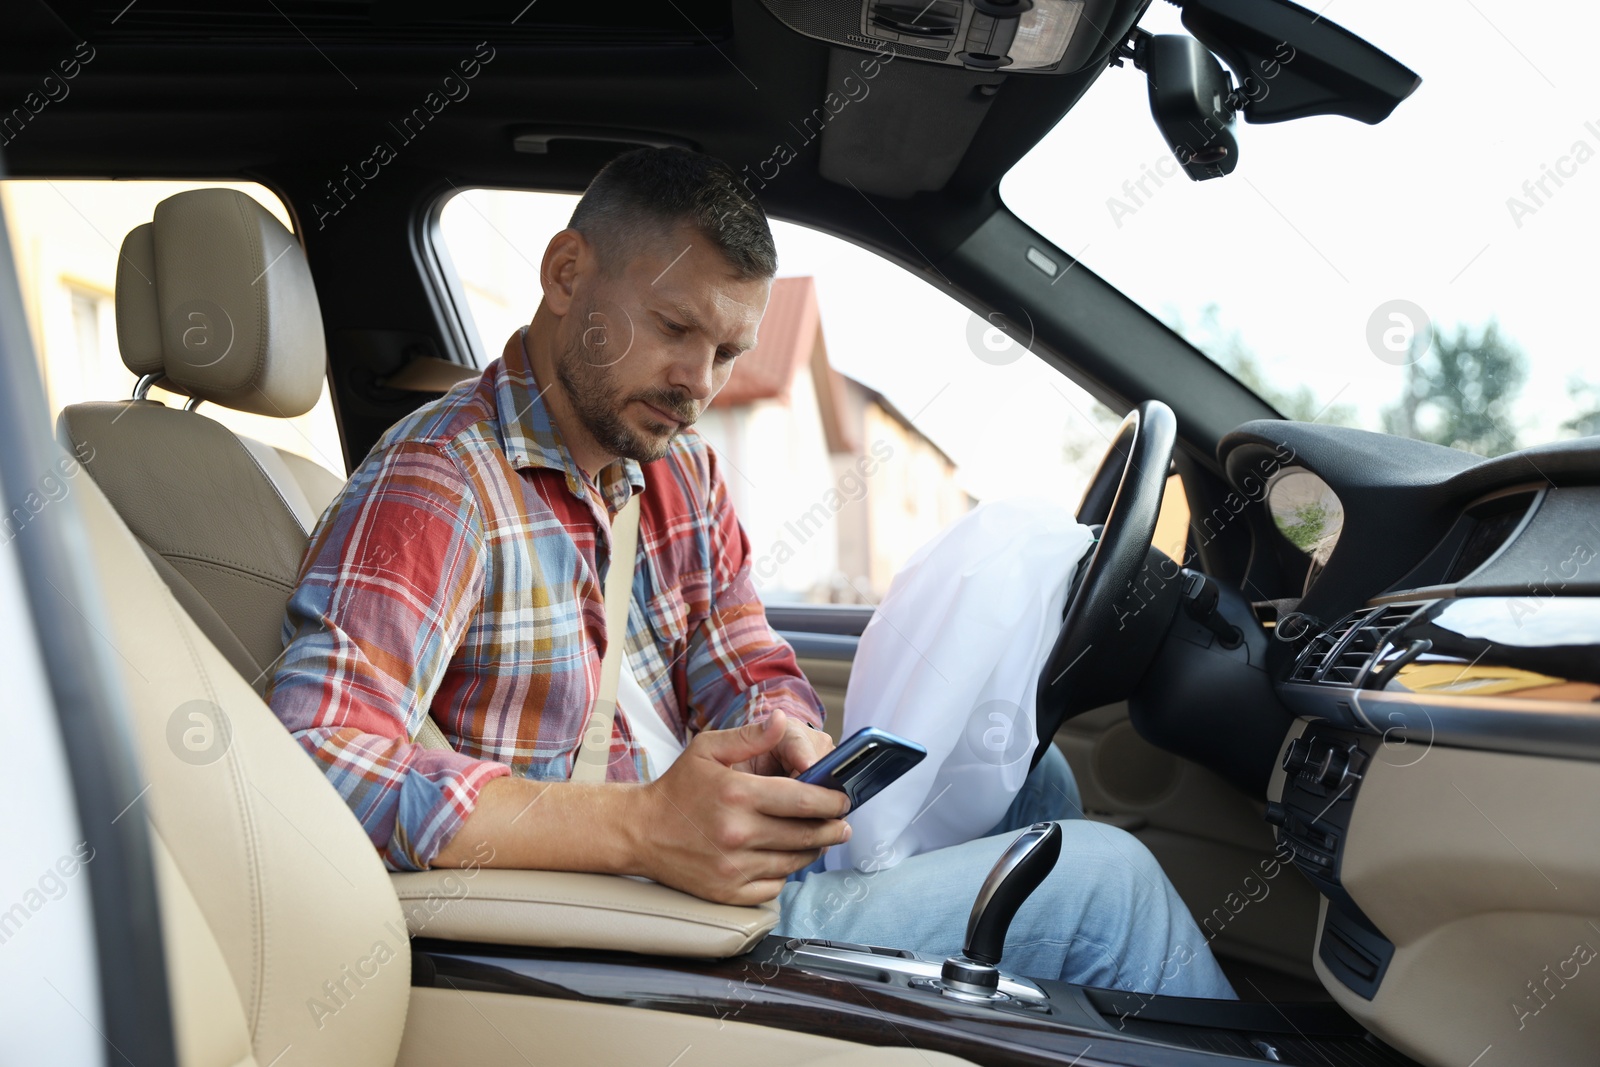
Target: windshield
1432,276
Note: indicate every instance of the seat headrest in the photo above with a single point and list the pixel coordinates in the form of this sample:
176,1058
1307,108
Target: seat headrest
217,295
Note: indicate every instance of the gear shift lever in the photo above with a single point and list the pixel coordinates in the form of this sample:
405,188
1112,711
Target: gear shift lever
1012,880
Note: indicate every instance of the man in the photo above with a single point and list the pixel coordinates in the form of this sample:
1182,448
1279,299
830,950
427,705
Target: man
460,575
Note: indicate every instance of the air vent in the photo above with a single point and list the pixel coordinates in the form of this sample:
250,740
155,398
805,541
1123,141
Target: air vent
1322,647
1341,656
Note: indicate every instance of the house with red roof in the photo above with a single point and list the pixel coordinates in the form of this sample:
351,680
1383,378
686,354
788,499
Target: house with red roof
834,485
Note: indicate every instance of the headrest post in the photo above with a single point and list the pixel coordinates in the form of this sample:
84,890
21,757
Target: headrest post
144,383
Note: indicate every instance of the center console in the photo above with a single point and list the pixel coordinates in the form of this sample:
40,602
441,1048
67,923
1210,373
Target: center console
891,997
968,1005
1323,770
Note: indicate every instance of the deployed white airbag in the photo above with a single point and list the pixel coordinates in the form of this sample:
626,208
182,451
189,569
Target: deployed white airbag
951,660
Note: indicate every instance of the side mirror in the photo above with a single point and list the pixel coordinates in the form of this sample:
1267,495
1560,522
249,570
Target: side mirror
1193,102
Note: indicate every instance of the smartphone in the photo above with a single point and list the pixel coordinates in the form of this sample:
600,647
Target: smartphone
864,763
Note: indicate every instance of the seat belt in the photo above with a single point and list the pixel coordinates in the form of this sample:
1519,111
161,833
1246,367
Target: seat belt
595,752
594,755
429,735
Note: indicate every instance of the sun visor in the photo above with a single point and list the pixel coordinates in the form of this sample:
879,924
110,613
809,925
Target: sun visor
901,131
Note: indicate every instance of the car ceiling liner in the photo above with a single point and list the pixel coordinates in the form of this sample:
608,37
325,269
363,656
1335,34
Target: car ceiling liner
1286,62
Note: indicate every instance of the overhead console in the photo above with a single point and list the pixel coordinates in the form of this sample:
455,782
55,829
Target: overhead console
1313,66
1019,36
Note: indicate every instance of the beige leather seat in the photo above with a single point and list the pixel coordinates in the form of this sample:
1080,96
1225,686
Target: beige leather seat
268,887
214,300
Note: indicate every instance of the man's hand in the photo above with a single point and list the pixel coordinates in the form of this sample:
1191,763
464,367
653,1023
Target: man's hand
800,748
710,827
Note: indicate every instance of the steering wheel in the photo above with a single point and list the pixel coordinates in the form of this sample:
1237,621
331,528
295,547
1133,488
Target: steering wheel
1124,596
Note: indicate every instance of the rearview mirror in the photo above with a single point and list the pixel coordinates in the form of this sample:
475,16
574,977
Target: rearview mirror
1292,63
1193,103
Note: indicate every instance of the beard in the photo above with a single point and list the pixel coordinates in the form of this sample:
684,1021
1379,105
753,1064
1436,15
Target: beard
585,373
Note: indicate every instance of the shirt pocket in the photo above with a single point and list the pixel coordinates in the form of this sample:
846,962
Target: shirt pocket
668,617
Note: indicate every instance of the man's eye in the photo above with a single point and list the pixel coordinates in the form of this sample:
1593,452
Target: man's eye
726,356
677,329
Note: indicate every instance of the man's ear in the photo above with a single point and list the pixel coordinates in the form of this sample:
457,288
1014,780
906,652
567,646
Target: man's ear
559,271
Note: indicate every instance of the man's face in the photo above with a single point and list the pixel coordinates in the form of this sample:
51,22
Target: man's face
643,353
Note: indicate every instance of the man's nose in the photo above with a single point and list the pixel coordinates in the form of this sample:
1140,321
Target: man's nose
695,374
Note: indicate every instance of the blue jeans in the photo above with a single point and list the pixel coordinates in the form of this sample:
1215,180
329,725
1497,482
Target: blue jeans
1049,792
1106,916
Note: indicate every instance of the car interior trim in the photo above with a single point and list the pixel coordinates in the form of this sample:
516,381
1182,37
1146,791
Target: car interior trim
462,1022
1559,729
569,909
64,601
821,646
446,297
872,995
1456,857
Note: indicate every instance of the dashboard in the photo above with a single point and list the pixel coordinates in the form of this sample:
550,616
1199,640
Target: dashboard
1442,667
1490,641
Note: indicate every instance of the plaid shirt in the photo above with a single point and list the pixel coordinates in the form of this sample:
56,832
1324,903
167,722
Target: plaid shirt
460,574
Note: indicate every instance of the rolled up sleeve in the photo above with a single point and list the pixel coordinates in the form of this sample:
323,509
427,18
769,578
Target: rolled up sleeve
391,581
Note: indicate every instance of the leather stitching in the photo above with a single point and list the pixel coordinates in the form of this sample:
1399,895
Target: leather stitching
266,477
231,568
590,905
246,817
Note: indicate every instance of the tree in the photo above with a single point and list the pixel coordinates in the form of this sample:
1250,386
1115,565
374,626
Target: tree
1460,392
1227,349
1080,446
1586,399
1304,528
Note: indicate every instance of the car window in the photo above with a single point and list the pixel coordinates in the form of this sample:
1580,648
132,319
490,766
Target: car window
1172,521
66,237
1430,276
873,412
